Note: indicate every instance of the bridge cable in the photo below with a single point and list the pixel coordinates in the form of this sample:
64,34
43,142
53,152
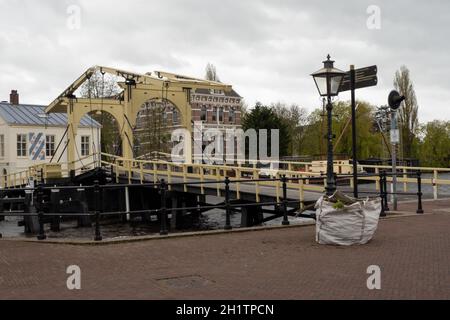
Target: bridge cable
101,107
73,135
59,144
94,149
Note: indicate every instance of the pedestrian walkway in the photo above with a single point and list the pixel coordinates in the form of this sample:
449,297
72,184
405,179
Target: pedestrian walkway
281,263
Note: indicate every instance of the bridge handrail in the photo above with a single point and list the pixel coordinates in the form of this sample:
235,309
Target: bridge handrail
137,166
281,203
40,172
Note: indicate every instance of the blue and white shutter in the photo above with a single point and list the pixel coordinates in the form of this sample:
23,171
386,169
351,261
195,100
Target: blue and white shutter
37,146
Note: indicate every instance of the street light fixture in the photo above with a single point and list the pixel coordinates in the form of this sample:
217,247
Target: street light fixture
328,81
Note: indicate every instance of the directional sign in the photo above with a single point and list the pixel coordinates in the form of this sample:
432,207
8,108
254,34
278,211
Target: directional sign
365,77
395,136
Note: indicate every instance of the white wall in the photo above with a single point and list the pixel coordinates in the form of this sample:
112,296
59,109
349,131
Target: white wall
13,163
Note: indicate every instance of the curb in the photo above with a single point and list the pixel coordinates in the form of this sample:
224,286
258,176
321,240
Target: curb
74,242
157,237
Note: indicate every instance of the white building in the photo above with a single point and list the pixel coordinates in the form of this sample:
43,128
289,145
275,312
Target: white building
30,137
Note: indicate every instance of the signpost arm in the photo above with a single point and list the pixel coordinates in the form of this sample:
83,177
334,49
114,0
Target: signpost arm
355,160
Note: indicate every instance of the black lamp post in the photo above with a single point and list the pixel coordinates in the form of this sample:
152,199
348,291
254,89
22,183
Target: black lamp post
328,81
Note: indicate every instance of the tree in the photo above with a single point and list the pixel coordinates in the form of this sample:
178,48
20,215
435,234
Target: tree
264,117
434,149
211,73
295,118
369,141
408,115
99,86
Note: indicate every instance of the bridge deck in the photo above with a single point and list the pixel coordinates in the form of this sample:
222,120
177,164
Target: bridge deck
247,190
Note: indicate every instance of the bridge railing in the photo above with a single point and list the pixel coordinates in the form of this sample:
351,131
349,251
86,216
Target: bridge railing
434,177
45,171
281,204
145,170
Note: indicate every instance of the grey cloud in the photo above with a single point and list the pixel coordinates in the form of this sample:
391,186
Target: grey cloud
266,49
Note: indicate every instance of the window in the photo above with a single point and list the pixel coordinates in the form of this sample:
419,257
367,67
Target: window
2,145
214,115
231,116
220,114
175,117
21,145
204,114
164,118
85,143
49,145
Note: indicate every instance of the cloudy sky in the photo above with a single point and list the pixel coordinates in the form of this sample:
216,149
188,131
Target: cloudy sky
265,49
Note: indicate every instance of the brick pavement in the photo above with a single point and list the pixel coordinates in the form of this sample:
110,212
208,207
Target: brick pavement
413,253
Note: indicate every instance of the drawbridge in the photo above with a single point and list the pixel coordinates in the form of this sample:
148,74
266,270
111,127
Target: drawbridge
128,186
104,185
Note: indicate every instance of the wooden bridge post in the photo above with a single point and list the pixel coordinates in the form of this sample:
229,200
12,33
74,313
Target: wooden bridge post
227,204
377,182
435,184
302,193
238,185
405,180
127,204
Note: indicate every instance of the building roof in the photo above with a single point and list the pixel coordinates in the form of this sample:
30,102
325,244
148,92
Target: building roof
232,93
32,115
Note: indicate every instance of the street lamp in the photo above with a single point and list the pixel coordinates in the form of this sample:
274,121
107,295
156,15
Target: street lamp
328,81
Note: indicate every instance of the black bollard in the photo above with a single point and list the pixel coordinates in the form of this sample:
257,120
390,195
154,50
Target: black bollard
419,193
227,204
40,203
386,202
383,212
285,211
98,200
163,209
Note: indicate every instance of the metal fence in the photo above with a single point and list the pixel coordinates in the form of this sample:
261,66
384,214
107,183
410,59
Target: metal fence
162,186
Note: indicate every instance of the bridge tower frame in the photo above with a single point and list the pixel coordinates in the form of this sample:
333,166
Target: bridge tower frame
137,89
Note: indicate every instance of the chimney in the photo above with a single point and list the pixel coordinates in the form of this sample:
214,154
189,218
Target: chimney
14,97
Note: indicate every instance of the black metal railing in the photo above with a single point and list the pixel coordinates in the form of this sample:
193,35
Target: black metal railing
227,205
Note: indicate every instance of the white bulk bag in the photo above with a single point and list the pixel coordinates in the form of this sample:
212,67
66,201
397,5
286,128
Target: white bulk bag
354,222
